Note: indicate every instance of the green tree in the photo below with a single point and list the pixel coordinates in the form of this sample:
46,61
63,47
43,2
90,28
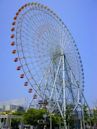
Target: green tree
33,116
86,114
41,117
70,116
94,117
15,123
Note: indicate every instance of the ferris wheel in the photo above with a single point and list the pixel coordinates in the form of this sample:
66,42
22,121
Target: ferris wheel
48,56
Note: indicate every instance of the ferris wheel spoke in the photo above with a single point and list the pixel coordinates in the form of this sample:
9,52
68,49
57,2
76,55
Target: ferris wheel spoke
45,74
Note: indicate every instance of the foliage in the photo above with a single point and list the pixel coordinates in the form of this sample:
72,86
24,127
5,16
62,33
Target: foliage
15,123
32,116
55,119
86,114
94,117
20,111
70,115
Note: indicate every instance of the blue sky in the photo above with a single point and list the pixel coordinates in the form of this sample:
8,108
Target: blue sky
80,16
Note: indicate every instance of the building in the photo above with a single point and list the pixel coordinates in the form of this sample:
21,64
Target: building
12,105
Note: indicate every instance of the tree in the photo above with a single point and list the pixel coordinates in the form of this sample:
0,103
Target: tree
33,116
86,114
94,117
15,123
70,116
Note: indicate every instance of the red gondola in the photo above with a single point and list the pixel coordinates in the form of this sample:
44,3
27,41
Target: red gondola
19,10
22,7
26,84
25,5
12,29
14,51
22,76
15,18
18,68
16,59
30,90
12,43
12,36
17,13
13,23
